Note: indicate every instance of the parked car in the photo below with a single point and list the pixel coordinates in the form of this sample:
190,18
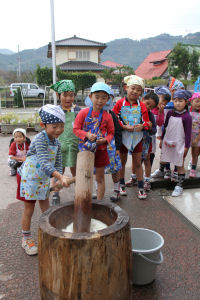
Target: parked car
28,90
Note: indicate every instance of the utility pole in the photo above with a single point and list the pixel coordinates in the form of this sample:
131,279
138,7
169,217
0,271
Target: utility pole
19,67
53,48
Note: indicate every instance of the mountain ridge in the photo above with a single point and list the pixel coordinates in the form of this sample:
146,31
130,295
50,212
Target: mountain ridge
124,51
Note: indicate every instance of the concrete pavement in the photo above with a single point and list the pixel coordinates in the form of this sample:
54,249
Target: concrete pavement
177,278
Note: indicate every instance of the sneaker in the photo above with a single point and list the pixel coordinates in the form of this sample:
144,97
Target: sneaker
131,181
13,172
167,174
192,173
157,174
55,199
123,190
174,177
115,196
147,185
190,165
28,245
142,194
177,191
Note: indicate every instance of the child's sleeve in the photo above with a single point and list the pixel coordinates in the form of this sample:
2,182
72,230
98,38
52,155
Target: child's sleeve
58,162
41,146
145,116
160,119
12,149
78,124
110,128
118,131
187,125
117,110
153,121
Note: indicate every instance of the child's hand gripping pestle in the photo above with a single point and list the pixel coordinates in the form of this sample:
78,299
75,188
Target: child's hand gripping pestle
65,183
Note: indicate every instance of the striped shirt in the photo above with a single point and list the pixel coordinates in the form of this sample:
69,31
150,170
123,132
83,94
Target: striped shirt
39,146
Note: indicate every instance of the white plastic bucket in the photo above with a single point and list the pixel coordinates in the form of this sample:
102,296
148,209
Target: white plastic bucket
146,245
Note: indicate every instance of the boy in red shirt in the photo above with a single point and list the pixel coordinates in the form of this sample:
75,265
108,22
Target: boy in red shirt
94,127
134,119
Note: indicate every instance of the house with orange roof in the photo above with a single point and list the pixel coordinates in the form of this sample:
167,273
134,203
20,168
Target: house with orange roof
154,65
111,64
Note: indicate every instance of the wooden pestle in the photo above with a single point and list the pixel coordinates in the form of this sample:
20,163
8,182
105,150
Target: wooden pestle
83,191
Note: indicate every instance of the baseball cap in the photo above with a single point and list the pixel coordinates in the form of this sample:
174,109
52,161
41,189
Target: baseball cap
100,86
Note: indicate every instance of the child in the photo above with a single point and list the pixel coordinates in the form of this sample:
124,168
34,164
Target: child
113,150
195,138
151,101
177,136
164,169
164,95
43,161
134,118
17,150
94,127
65,90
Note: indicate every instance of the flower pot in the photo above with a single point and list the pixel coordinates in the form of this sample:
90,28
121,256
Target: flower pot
9,128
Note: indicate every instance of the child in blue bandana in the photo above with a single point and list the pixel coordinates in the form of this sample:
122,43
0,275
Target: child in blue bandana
43,161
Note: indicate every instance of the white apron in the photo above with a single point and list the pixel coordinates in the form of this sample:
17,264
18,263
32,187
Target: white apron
173,144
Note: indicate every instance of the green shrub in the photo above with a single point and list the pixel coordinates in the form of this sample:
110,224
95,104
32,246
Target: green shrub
18,98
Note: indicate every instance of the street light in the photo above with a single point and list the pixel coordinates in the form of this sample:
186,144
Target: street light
53,47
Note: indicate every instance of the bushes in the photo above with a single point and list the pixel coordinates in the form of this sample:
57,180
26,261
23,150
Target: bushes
81,80
18,98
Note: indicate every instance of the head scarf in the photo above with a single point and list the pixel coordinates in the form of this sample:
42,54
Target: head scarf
63,86
133,79
182,94
195,96
175,84
162,90
51,114
22,130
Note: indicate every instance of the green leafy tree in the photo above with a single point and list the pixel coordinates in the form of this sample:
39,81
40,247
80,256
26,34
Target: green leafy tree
179,60
119,74
82,81
107,74
116,75
44,75
194,64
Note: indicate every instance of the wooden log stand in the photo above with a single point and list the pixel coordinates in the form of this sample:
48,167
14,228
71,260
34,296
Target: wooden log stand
84,265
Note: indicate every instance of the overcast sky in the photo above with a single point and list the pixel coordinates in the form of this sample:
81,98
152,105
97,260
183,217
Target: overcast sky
27,23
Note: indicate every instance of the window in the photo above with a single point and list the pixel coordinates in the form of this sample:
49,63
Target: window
82,55
32,86
25,86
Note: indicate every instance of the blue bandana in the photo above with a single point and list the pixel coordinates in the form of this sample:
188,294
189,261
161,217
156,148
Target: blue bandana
182,94
51,114
162,90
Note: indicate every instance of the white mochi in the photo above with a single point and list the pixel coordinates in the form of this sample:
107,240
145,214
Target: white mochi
95,225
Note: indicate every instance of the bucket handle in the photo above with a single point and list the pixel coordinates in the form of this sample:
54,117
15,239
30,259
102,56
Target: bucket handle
158,262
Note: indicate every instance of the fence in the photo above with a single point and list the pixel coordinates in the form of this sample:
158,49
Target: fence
7,101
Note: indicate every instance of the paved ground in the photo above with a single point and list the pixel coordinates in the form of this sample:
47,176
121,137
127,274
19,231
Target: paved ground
177,277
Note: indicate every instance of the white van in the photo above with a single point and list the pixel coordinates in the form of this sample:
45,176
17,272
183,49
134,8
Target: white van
28,90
